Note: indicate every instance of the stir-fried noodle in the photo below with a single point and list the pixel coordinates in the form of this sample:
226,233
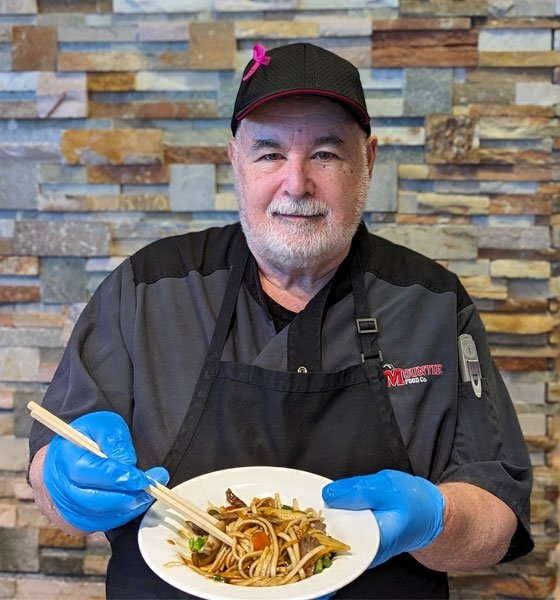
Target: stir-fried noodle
274,544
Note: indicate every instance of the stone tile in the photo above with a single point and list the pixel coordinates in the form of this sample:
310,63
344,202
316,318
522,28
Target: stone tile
19,82
192,187
532,424
59,562
122,146
18,184
18,549
428,91
523,40
235,6
377,7
6,428
95,564
177,82
57,174
118,34
63,280
34,48
158,6
211,45
55,538
451,139
14,452
444,8
382,193
62,96
18,7
399,136
266,30
61,238
190,109
130,174
446,242
52,588
12,294
19,265
522,8
101,61
531,269
544,94
111,82
162,31
519,238
518,60
47,337
5,34
334,26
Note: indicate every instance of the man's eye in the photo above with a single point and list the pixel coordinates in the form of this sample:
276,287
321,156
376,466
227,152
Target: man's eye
324,155
272,156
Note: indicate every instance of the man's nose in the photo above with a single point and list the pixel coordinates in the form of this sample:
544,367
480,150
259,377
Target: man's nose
298,182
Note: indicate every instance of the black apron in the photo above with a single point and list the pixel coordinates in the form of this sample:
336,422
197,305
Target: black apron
335,424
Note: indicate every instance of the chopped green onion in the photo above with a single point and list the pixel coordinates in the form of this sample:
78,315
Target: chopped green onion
327,561
219,578
287,507
197,544
318,567
213,512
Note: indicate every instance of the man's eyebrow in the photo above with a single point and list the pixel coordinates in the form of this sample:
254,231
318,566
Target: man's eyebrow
330,140
264,143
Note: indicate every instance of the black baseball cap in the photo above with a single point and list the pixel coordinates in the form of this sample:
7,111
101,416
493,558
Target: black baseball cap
297,69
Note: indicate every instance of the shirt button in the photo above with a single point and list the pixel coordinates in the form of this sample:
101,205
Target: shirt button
302,369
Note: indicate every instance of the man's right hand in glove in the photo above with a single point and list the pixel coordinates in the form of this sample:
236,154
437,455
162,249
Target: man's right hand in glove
93,493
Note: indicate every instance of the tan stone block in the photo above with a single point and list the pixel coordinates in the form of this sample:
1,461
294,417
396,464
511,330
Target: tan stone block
18,110
509,110
414,24
520,128
124,202
451,139
261,30
195,154
95,564
190,109
444,8
55,538
525,269
68,6
28,515
128,175
22,490
485,287
212,45
101,61
518,364
19,265
5,33
520,60
535,204
226,201
52,588
10,294
452,203
8,514
522,324
111,82
6,399
18,7
19,364
34,48
6,424
119,146
424,49
488,173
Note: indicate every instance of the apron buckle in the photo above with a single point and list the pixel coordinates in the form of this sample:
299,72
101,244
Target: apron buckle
368,325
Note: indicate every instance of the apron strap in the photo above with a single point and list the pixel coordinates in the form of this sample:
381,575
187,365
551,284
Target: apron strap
368,332
204,382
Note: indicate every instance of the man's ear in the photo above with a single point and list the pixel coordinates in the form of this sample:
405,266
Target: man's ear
232,153
371,153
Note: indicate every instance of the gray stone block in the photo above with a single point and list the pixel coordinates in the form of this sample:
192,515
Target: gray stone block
63,280
18,184
22,418
192,187
428,91
18,549
382,193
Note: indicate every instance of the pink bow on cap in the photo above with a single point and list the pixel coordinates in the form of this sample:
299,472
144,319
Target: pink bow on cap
260,58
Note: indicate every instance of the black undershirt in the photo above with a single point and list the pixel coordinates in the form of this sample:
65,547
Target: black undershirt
281,316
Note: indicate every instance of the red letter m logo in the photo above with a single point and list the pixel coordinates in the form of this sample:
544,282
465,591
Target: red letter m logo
394,377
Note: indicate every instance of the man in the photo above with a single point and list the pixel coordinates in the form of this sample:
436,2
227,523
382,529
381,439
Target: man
297,340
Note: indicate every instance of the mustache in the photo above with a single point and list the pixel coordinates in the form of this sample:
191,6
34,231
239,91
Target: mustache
309,207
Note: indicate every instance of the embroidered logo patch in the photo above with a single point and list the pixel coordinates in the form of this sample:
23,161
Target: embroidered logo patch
420,374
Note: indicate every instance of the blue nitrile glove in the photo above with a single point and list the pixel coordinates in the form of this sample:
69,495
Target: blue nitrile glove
408,509
93,493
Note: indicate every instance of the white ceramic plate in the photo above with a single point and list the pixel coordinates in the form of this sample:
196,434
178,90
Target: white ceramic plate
358,529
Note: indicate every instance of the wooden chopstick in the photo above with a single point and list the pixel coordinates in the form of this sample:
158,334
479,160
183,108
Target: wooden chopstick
185,508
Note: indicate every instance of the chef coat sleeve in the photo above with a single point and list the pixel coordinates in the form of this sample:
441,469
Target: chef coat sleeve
488,447
95,372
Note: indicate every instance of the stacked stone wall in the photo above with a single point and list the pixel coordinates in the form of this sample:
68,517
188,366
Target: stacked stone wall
114,122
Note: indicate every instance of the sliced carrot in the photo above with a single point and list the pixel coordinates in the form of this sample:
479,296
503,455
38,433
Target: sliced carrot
260,540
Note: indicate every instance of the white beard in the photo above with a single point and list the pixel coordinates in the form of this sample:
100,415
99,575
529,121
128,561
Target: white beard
302,245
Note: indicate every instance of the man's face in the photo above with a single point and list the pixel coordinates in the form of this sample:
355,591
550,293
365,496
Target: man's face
302,167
